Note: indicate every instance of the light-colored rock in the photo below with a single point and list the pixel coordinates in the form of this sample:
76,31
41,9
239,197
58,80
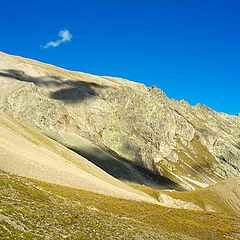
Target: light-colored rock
25,152
192,145
167,201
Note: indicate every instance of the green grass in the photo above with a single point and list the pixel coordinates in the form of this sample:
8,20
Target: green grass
204,198
32,209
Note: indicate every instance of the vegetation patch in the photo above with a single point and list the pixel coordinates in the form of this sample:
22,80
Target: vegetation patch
31,209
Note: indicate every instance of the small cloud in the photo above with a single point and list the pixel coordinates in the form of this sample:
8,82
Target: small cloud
65,36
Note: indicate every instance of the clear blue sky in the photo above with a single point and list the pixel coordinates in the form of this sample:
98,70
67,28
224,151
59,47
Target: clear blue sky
190,49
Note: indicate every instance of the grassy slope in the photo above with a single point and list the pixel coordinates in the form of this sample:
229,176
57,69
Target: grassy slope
194,167
33,209
225,202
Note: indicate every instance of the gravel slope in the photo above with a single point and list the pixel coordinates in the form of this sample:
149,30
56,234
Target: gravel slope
194,146
26,152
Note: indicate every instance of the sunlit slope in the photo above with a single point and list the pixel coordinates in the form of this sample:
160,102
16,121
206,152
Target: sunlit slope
35,210
194,146
26,152
222,197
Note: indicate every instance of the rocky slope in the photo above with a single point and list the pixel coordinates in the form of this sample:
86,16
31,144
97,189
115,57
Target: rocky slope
26,152
193,146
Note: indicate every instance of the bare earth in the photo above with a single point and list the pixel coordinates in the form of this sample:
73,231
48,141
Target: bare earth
27,153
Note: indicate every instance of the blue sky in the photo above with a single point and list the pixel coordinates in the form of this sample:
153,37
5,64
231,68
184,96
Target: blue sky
188,48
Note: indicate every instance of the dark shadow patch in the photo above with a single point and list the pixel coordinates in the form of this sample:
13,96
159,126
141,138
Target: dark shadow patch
125,170
73,94
237,146
223,159
68,90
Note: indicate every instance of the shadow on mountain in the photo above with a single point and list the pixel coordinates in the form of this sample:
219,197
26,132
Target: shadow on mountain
124,170
73,91
66,90
110,162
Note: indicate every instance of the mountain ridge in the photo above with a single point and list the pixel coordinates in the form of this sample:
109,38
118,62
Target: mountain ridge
193,146
91,157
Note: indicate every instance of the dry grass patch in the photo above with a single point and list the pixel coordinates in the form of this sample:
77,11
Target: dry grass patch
33,209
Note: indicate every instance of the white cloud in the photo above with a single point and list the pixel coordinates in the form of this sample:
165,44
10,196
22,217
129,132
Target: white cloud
65,36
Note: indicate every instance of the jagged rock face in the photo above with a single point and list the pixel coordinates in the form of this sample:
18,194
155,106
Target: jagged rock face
192,145
219,132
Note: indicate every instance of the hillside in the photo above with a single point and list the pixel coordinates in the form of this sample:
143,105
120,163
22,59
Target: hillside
193,146
96,157
32,209
26,152
222,197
